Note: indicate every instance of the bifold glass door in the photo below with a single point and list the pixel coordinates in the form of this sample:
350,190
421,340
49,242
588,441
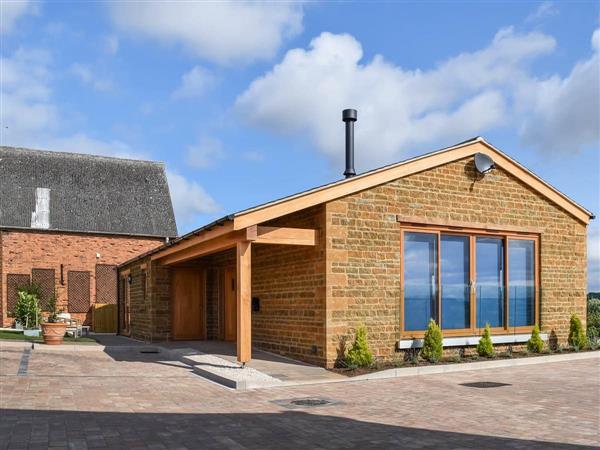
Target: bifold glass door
521,281
455,269
460,281
489,271
420,280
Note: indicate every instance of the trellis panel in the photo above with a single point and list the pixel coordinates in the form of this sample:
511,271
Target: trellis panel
106,284
78,291
13,282
45,279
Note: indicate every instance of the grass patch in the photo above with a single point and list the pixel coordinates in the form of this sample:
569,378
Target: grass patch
19,336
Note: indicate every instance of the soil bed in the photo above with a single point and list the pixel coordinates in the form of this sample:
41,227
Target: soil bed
351,372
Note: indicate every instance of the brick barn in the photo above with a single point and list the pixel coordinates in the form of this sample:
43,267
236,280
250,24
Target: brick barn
429,237
67,220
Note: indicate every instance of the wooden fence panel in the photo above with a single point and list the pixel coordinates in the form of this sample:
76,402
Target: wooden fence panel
104,318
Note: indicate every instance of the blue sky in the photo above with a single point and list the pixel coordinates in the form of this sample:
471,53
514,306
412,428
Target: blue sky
243,100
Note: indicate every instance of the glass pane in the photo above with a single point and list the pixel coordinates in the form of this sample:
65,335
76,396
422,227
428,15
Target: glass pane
490,281
454,269
521,267
420,279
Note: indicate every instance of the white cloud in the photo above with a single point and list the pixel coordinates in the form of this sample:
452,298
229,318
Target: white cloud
563,114
594,258
401,109
189,199
206,153
195,83
87,76
224,31
25,95
543,11
398,108
111,44
11,11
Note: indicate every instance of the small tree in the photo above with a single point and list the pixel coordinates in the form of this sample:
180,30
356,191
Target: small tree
535,343
52,310
359,354
27,310
577,337
485,346
432,343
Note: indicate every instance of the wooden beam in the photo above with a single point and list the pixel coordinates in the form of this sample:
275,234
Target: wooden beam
429,221
202,249
204,236
244,295
281,235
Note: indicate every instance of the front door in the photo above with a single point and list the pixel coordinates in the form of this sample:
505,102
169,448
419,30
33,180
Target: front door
187,286
230,305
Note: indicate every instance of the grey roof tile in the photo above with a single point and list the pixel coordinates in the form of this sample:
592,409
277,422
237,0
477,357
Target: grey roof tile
87,193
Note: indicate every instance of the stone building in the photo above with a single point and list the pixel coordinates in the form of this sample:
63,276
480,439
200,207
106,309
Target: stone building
67,220
430,237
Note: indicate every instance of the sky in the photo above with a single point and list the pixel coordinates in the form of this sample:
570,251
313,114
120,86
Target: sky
242,100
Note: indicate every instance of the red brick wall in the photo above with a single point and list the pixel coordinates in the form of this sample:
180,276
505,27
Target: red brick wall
22,251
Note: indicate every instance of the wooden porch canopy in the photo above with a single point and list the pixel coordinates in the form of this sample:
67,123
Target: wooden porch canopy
225,237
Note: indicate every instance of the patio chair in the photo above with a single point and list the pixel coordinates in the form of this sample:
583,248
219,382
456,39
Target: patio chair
73,325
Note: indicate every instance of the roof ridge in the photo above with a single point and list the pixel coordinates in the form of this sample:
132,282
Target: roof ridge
56,153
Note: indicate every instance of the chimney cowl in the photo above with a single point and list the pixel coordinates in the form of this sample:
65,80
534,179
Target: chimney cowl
349,116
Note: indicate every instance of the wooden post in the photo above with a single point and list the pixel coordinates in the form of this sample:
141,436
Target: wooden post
244,294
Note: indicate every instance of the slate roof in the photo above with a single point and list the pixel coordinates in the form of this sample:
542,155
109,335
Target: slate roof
93,194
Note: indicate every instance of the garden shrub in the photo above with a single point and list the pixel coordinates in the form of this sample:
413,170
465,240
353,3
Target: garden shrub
593,320
535,343
359,354
432,343
485,346
27,310
577,337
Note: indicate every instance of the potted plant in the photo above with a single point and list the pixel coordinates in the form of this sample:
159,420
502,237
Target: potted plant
53,329
27,312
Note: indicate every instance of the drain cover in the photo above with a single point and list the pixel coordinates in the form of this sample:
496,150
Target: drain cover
485,384
150,350
306,402
310,402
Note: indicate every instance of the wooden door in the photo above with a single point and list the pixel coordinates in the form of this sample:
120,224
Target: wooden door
187,299
230,305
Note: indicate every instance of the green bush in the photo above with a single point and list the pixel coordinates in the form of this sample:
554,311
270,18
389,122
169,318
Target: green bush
432,343
485,346
577,337
27,310
359,354
535,343
593,320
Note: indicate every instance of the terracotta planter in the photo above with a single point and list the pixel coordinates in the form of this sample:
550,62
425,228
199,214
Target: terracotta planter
53,332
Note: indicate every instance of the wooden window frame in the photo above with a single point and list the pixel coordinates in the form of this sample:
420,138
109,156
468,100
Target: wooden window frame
473,234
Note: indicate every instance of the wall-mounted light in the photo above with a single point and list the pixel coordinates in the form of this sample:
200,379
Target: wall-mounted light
98,255
129,278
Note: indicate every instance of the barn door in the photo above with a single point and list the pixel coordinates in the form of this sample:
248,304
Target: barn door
187,298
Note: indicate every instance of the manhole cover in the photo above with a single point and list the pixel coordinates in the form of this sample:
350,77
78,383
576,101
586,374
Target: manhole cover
484,384
306,402
310,402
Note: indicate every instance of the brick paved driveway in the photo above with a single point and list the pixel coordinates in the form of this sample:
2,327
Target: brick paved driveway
130,400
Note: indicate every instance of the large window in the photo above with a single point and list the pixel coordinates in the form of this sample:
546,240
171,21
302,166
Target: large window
464,280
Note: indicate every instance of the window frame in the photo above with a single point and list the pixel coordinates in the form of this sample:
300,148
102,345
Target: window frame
473,234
